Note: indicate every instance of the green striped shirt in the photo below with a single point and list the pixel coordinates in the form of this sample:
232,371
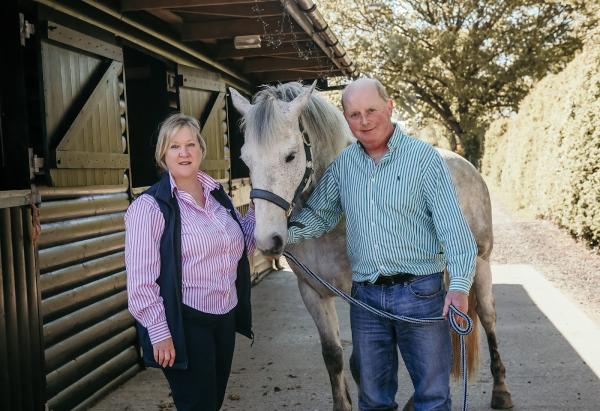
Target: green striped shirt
402,214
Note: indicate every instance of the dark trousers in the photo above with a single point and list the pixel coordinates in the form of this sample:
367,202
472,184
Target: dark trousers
210,340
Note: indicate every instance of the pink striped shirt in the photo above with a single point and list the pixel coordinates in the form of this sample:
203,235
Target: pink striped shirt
211,246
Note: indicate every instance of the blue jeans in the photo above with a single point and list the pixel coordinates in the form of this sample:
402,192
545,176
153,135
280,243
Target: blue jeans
425,348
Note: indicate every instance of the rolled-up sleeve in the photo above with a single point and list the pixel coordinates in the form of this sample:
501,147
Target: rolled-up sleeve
144,225
460,248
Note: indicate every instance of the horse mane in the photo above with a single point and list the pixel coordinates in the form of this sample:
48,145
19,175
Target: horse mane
324,123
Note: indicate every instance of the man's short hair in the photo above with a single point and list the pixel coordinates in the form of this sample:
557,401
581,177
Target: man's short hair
378,86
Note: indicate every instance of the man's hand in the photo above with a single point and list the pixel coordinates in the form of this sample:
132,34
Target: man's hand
164,352
459,300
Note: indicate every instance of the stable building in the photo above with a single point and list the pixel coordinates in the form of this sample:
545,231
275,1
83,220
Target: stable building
85,85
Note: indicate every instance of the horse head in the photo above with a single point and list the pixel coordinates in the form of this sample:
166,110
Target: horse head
278,157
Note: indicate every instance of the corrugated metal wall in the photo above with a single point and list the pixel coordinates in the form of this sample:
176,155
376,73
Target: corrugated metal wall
89,335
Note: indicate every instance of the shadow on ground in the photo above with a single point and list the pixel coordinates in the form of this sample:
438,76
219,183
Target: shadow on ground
284,370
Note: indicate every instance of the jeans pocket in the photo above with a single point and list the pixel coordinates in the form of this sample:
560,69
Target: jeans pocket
427,287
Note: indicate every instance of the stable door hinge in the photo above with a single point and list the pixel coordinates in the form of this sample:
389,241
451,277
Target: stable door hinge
26,28
36,164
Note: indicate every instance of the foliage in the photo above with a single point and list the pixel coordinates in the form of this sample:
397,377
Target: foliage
460,62
547,158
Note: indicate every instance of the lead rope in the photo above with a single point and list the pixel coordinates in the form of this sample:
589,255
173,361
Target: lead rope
461,331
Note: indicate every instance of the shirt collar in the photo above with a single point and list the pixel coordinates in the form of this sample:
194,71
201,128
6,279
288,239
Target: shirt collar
396,138
394,141
208,183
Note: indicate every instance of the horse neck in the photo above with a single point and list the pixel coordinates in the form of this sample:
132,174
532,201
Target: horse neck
325,148
323,154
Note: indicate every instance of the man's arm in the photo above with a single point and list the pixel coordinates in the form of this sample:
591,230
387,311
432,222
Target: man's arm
322,212
451,226
453,232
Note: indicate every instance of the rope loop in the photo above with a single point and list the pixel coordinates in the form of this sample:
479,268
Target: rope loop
456,326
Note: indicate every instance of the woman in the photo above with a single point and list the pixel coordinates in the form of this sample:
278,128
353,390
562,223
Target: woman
188,277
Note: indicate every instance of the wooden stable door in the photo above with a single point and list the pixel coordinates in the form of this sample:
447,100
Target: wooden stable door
85,139
202,96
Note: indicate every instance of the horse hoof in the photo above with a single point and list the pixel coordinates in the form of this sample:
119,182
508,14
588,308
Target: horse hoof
501,400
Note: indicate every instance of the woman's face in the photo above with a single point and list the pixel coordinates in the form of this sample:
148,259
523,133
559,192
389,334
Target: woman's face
183,155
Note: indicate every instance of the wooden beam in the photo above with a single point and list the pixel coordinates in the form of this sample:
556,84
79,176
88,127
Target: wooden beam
225,29
295,75
135,5
262,64
87,159
263,10
14,198
83,41
227,51
166,15
289,38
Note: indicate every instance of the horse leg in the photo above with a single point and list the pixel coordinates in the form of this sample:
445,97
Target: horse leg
324,314
486,310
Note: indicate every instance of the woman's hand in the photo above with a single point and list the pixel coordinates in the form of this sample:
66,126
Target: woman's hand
164,352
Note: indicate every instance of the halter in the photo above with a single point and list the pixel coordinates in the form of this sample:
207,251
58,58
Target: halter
279,201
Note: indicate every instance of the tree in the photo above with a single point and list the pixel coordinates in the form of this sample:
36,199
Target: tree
460,62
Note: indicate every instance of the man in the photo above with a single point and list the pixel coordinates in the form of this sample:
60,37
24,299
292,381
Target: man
404,226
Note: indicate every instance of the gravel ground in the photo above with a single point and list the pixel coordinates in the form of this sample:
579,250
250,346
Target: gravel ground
566,263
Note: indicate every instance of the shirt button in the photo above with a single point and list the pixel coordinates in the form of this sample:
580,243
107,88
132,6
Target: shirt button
373,223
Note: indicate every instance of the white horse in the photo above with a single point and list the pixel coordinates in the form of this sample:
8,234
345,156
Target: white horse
277,125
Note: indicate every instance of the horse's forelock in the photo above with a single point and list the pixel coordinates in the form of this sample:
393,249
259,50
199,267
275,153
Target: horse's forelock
260,120
265,122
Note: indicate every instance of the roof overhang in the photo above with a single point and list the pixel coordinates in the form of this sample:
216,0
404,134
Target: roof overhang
295,41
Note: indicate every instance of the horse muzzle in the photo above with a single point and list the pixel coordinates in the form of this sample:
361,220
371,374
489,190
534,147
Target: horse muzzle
273,247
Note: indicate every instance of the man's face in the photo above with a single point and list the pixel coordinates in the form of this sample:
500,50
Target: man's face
368,115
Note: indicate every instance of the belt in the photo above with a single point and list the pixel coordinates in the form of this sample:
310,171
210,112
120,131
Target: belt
393,279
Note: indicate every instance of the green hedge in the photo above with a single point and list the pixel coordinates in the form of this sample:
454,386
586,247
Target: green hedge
546,159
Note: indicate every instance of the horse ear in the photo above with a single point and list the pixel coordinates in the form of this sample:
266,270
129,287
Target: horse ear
240,102
296,106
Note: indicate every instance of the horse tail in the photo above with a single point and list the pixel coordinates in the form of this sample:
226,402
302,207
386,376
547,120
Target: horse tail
471,342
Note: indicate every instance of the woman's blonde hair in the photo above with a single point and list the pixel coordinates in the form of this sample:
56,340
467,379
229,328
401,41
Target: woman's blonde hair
168,128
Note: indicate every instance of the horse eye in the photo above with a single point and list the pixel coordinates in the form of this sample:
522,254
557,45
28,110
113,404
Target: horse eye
290,157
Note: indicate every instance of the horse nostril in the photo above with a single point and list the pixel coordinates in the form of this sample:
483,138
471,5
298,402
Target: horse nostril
277,242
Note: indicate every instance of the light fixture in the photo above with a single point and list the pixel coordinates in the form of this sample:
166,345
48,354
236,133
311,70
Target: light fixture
247,42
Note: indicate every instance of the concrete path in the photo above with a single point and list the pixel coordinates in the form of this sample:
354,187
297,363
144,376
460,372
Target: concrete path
550,348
